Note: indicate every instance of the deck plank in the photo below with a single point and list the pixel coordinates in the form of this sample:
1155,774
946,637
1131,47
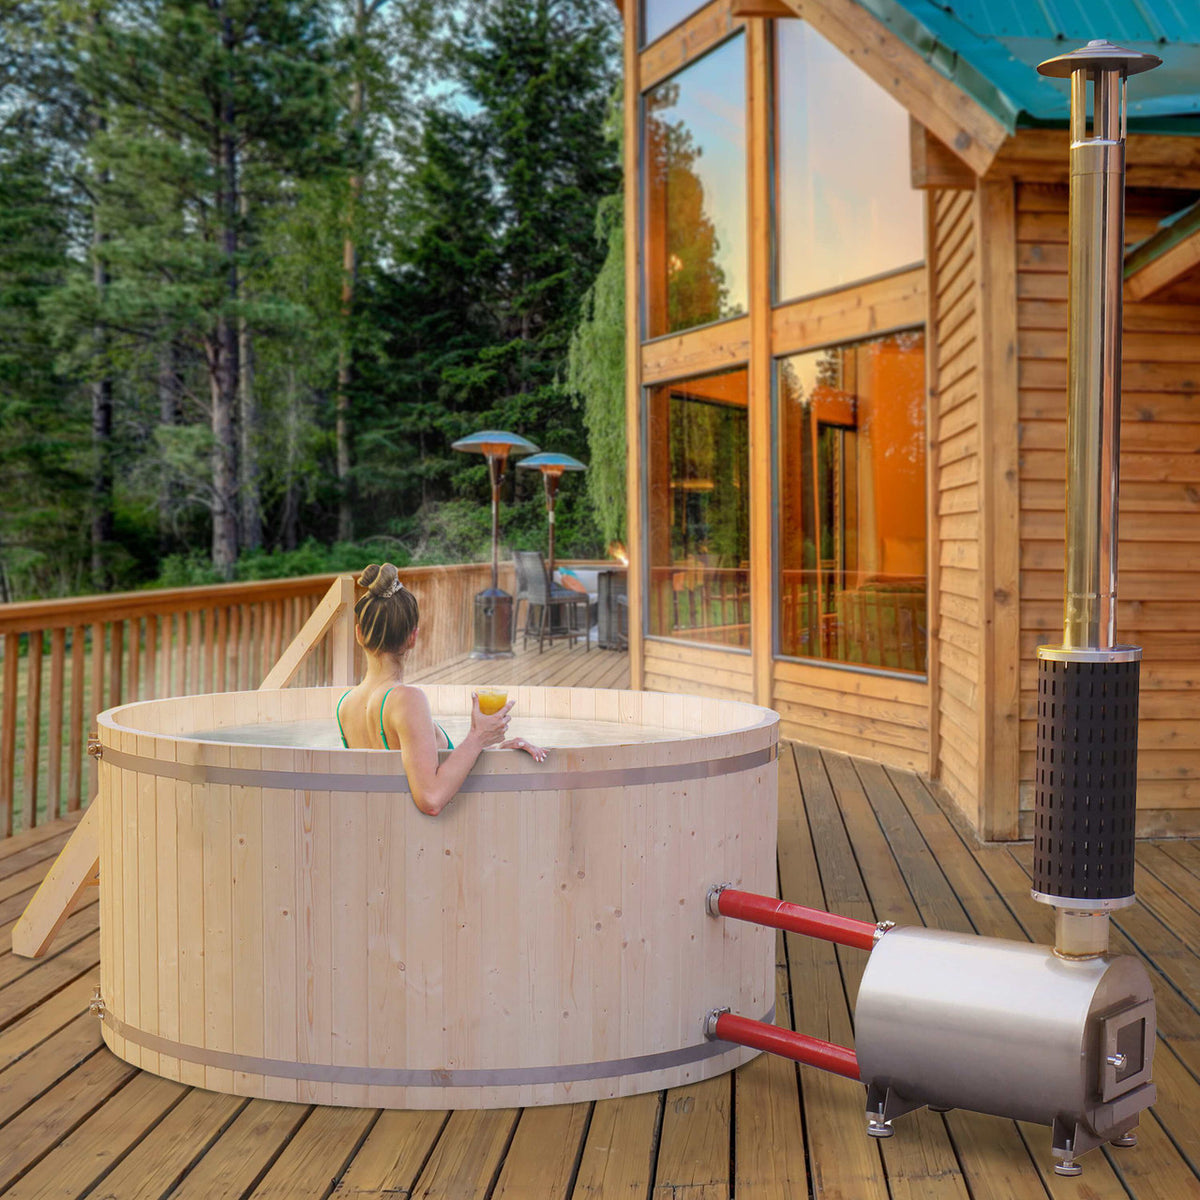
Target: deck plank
391,1158
769,1129
79,1161
693,1153
50,1118
468,1156
74,929
844,1162
318,1152
57,1056
545,1150
47,1018
243,1152
24,994
59,829
619,1149
163,1155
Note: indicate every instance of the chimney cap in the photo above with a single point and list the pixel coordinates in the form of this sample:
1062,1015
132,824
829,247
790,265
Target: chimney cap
1099,55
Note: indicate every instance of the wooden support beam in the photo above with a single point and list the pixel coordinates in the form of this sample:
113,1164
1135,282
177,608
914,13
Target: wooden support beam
954,117
633,346
333,606
762,570
75,870
1000,515
1165,258
685,43
762,8
933,164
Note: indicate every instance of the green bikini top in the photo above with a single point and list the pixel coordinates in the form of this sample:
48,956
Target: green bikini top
338,714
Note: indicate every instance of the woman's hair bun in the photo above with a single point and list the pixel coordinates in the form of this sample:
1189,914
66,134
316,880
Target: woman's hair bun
380,581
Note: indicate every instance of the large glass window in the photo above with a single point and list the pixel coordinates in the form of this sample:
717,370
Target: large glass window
845,205
698,461
695,193
660,15
851,461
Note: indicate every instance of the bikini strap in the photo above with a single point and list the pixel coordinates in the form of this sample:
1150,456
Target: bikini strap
337,712
382,706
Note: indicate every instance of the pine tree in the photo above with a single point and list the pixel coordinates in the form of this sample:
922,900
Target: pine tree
43,454
214,106
596,365
504,207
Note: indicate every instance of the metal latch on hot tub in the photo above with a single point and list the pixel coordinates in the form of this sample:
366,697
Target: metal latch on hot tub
95,746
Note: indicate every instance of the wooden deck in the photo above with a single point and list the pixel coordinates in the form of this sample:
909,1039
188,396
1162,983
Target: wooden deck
869,842
558,666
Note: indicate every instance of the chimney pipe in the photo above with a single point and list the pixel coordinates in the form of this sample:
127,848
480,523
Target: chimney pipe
1086,789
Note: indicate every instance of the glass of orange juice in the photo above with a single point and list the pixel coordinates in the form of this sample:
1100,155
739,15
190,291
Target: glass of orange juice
492,700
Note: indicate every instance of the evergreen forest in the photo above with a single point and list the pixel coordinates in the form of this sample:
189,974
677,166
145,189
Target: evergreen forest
263,261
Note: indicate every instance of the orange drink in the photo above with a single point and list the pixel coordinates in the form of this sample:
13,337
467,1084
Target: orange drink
491,700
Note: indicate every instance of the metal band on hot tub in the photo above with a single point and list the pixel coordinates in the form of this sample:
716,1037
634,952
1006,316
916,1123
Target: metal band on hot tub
404,1077
564,781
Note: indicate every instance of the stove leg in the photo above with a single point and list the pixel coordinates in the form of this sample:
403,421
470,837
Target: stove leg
1126,1139
877,1127
1067,1166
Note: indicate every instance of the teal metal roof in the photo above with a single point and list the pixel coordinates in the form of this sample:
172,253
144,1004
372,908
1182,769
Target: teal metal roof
990,49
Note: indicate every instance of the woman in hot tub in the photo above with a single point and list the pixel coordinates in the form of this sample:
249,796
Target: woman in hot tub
384,713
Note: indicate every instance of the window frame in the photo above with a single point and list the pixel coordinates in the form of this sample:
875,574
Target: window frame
777,654
644,453
777,300
691,58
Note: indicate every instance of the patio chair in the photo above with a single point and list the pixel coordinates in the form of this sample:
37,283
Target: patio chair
544,602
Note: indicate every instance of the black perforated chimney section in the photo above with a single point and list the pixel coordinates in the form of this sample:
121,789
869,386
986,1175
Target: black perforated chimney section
1086,779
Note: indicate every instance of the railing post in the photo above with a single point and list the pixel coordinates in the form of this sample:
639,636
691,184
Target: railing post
344,644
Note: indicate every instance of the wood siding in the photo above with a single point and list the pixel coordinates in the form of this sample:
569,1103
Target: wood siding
954,461
1159,557
875,716
701,670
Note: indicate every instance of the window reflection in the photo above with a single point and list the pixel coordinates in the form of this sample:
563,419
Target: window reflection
660,15
845,205
695,186
697,440
852,585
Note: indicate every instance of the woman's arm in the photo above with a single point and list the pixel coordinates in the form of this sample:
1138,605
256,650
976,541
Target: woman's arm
434,784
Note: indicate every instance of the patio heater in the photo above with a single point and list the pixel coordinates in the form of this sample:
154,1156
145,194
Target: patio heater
1060,1036
552,467
493,607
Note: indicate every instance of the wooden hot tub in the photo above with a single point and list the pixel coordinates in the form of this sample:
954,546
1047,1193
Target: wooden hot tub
282,921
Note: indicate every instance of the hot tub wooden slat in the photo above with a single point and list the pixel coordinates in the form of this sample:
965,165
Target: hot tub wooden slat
145,882
218,931
248,914
280,816
191,915
167,900
349,993
314,982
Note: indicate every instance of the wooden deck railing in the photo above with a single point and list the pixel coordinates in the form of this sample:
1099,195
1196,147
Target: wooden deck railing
63,661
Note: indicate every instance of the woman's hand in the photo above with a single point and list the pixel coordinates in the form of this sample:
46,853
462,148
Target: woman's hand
538,753
489,728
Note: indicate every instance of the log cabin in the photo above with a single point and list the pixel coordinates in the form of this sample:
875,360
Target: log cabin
846,332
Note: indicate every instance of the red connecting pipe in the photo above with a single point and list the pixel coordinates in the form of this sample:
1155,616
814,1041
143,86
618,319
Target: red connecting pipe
779,914
840,1060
